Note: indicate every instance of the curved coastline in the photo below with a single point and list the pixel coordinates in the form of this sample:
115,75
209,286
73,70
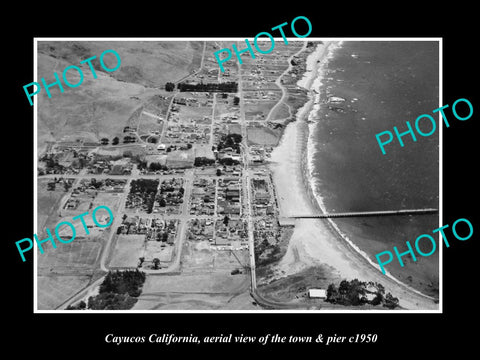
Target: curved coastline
308,169
354,261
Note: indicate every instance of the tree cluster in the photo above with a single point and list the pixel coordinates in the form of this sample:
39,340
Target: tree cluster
129,139
355,292
228,161
118,291
156,166
143,185
203,161
230,140
123,282
146,190
51,164
169,86
231,87
80,306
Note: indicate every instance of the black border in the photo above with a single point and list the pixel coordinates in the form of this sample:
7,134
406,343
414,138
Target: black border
407,334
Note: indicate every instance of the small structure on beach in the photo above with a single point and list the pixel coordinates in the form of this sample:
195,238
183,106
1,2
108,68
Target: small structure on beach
317,293
286,221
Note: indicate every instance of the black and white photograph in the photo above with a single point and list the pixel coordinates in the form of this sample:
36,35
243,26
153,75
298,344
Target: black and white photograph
233,181
251,183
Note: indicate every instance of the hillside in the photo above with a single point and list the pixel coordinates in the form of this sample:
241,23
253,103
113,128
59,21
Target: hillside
101,107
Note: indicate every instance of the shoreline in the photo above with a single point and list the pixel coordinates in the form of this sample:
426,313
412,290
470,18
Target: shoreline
316,242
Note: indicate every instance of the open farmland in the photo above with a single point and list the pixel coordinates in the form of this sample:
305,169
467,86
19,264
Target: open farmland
194,292
53,290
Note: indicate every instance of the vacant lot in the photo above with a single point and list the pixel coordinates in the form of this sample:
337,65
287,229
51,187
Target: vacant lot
258,110
194,112
149,124
111,200
199,256
159,250
128,249
280,112
261,135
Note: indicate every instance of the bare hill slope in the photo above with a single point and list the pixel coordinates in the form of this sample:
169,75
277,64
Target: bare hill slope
101,107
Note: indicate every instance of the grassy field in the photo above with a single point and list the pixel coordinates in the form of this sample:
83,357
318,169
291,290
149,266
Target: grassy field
195,113
262,136
47,203
78,256
198,257
128,249
281,112
223,110
214,283
294,287
258,110
149,124
111,200
53,290
154,249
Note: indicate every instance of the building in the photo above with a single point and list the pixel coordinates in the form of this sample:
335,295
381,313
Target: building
221,241
317,293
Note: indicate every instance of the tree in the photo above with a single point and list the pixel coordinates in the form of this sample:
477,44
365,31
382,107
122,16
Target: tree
104,141
225,220
165,236
169,86
115,140
162,202
356,292
390,301
332,294
128,139
189,146
219,172
80,306
156,262
236,100
140,261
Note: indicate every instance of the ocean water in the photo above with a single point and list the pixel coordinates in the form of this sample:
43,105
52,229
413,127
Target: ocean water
384,83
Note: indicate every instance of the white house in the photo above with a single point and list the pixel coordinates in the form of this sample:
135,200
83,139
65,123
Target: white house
317,293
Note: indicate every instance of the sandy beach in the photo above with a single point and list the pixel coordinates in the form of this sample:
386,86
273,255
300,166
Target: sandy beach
315,242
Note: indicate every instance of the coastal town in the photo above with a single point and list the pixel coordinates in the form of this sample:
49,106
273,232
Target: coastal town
203,202
188,177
